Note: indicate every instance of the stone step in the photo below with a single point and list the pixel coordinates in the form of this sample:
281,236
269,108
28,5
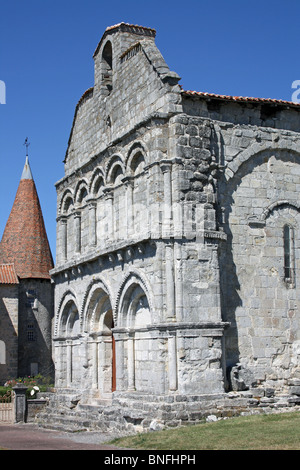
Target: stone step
70,422
101,402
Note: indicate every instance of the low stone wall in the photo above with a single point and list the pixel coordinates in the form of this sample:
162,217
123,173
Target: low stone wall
34,407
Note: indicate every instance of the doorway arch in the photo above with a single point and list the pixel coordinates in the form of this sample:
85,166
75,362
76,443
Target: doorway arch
98,325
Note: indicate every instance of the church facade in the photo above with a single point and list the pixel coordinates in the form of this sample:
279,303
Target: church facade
177,270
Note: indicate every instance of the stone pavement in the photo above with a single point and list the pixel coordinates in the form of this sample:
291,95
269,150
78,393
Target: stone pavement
31,437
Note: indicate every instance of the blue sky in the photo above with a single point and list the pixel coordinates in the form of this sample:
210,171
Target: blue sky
245,48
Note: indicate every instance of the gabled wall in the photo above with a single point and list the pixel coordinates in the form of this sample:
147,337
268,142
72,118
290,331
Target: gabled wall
137,84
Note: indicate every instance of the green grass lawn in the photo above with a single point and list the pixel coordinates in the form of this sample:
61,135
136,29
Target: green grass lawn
260,432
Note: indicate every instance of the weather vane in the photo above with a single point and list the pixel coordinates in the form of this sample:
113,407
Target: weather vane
26,143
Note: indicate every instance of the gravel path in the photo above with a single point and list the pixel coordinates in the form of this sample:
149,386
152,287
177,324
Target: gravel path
31,437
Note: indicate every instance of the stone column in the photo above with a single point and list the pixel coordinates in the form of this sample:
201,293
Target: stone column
64,238
20,403
130,362
129,206
109,198
100,223
170,283
166,168
77,219
58,361
107,365
100,362
120,369
84,355
69,364
178,280
172,358
148,201
92,223
95,364
178,183
178,220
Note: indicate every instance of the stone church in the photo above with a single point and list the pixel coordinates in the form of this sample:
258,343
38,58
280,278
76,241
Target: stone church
178,219
26,291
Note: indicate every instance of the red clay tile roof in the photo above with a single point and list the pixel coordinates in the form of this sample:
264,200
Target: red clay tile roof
25,242
8,274
240,99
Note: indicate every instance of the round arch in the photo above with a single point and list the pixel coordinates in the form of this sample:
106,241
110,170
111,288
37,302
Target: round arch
66,202
115,164
134,305
81,191
257,149
97,302
69,321
136,159
97,182
277,205
67,308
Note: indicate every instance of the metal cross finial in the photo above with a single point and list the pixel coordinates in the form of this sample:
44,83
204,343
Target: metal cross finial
27,145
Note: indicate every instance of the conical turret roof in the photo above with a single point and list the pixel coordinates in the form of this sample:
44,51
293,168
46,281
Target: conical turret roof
25,242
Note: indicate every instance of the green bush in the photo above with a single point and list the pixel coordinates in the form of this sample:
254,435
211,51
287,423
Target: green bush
34,385
4,390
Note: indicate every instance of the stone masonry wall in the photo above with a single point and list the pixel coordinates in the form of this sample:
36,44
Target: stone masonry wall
9,307
253,183
35,328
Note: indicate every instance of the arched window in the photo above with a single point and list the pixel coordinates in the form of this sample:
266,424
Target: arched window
98,185
82,195
288,244
2,353
116,175
137,163
135,309
107,67
69,325
115,170
67,205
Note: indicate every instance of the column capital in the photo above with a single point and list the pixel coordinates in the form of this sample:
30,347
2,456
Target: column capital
128,181
108,192
91,202
166,166
77,213
62,219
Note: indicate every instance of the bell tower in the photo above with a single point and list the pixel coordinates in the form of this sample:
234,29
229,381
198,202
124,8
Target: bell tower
25,246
